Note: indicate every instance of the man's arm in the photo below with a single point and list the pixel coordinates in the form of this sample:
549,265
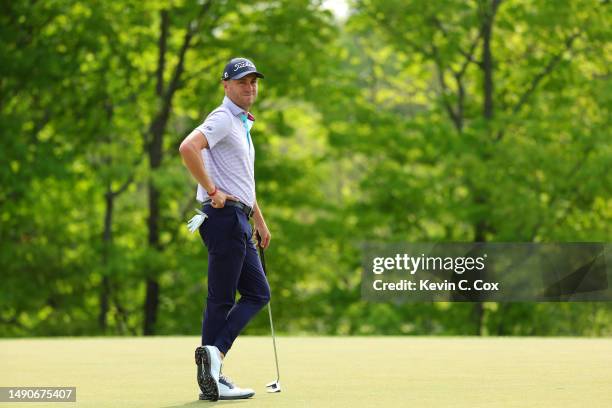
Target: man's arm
190,150
260,226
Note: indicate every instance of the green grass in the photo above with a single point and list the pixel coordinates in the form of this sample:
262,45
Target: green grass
322,371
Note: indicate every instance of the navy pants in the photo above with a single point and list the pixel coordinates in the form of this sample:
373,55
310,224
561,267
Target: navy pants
233,265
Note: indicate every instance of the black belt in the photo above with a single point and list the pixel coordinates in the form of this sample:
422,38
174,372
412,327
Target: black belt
231,203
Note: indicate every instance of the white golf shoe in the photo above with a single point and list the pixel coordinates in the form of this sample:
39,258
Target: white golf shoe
208,360
229,391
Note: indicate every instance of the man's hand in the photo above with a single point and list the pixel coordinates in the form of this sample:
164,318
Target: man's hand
263,234
219,199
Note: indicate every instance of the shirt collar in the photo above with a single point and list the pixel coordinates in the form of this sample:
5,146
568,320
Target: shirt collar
235,109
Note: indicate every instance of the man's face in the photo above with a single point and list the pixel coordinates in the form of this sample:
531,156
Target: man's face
243,91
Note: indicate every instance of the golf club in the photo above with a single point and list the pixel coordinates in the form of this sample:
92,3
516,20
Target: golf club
274,386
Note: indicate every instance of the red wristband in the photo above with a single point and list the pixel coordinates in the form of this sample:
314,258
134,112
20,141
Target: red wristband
213,193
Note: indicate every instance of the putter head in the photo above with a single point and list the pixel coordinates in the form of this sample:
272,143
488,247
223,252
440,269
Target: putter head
274,386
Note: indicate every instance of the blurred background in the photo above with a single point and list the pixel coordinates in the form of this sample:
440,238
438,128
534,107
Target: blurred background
385,121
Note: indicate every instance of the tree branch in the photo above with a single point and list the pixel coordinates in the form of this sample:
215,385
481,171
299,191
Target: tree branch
197,74
178,69
571,174
469,55
457,121
159,121
161,62
548,69
397,34
123,187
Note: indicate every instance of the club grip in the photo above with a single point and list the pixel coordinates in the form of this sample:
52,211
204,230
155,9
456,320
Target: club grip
261,252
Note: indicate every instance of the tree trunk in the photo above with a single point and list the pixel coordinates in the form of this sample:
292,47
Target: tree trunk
488,15
151,304
104,295
156,132
107,241
155,152
152,285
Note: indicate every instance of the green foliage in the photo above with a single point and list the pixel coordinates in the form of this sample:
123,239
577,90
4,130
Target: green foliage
371,129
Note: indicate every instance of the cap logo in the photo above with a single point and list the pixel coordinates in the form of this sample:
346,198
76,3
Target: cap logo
242,65
225,75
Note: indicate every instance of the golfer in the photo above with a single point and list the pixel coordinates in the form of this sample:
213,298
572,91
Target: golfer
220,155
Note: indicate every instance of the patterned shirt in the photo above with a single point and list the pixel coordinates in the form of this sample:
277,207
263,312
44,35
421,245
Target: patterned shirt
230,157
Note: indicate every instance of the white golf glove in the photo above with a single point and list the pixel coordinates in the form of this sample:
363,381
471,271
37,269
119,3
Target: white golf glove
197,220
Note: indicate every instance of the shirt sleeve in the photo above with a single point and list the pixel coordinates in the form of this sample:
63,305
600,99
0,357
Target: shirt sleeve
215,127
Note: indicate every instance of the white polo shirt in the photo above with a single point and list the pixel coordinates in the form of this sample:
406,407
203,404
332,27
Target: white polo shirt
230,157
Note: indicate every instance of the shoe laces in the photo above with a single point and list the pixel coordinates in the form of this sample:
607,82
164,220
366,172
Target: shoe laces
226,380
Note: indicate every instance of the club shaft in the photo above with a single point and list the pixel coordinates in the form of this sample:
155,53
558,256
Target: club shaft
273,342
263,264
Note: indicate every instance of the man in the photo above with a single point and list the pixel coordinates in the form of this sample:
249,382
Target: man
220,155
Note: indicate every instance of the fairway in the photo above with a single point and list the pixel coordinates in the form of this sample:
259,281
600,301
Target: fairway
322,371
